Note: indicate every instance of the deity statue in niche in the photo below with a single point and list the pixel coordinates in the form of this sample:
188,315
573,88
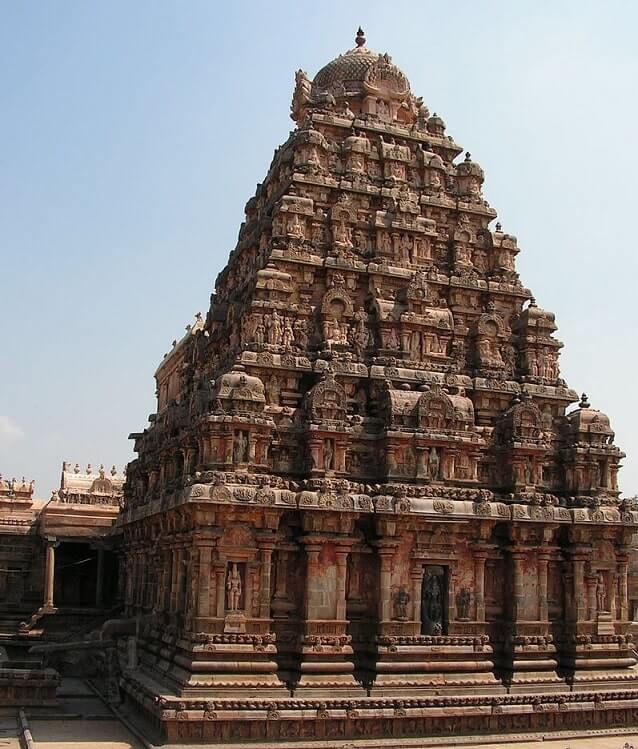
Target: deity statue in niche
392,340
360,331
260,331
334,325
301,336
601,597
384,242
273,390
383,109
463,603
296,230
233,587
288,335
275,328
318,234
342,234
356,162
353,586
488,349
401,601
240,447
434,463
432,601
361,242
328,455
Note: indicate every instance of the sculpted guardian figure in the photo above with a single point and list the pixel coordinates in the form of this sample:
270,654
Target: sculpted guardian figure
233,588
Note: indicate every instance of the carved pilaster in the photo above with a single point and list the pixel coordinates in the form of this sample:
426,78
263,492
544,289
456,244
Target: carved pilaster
543,608
479,585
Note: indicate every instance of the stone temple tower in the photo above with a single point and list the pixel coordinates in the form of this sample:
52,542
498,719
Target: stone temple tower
363,507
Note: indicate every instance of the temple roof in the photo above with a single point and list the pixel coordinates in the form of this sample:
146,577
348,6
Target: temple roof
76,482
359,71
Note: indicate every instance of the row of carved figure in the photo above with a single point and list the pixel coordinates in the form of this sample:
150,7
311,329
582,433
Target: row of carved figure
432,603
276,330
402,247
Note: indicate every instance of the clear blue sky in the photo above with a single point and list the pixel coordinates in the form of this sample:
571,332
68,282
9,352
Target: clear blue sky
133,133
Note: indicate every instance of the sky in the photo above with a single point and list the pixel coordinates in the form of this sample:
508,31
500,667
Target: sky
132,135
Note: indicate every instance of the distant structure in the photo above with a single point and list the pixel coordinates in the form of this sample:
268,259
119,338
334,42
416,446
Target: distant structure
57,555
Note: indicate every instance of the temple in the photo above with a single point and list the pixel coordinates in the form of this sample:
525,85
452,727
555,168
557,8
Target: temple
367,504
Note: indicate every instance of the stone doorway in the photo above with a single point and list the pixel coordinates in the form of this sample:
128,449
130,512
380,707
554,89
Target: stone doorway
77,567
434,598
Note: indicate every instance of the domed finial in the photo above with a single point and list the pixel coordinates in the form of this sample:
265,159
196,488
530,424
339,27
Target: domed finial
532,301
360,38
584,403
468,156
498,226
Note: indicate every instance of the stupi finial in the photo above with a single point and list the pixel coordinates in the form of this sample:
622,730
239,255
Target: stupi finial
360,38
584,403
468,156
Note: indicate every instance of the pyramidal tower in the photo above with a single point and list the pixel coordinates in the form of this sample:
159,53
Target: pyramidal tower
367,505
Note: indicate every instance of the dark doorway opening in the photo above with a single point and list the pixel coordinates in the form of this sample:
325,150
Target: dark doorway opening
76,571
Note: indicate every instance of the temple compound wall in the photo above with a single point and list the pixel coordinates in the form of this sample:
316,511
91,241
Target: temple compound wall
366,505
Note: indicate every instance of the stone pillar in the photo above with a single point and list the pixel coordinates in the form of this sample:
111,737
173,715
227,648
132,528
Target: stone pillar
579,585
417,586
518,588
451,595
139,578
265,571
126,570
614,579
479,585
342,560
99,582
121,577
174,578
49,574
189,560
386,555
220,589
543,608
203,583
591,581
624,597
312,567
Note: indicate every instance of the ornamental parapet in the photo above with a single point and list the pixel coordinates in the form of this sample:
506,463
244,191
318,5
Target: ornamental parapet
435,502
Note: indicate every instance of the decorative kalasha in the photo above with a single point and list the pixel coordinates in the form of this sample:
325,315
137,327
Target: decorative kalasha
361,497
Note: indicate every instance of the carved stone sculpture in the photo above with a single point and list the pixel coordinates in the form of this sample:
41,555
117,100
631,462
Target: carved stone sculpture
233,588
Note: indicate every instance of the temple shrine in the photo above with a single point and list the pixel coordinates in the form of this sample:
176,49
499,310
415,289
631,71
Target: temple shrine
368,505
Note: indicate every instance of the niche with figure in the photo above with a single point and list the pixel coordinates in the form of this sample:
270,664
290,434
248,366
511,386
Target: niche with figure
235,587
434,597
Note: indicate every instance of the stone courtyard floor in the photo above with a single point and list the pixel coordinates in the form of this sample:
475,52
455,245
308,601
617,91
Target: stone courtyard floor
80,721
